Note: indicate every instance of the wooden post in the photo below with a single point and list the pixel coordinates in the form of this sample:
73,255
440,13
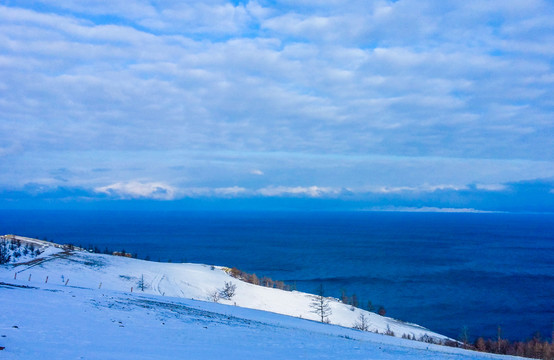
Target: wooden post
131,289
46,279
30,277
15,276
99,286
66,281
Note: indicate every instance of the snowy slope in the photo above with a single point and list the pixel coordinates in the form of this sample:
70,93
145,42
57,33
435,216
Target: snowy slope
58,322
96,316
192,281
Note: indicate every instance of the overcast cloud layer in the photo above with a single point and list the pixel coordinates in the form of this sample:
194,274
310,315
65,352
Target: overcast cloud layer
167,100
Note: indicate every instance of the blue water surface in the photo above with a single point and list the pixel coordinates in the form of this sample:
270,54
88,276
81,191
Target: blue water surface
440,270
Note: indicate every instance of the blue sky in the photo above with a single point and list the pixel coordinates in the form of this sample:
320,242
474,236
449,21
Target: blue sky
262,104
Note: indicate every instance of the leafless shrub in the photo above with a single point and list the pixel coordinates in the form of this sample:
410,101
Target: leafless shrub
362,323
228,290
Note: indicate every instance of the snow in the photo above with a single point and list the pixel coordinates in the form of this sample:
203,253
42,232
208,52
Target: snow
27,251
86,310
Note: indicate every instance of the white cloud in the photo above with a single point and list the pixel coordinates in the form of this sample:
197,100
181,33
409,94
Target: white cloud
421,188
311,26
230,191
138,190
215,93
394,189
258,11
444,187
310,191
491,187
427,209
199,17
458,91
161,191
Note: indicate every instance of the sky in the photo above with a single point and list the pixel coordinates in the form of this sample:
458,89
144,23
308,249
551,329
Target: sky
364,105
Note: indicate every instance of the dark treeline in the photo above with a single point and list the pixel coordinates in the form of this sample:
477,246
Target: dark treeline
536,348
263,281
355,302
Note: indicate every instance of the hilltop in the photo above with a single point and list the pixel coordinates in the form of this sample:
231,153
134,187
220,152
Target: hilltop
62,302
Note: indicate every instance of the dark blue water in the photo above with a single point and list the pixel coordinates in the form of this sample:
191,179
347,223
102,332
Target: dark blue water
443,271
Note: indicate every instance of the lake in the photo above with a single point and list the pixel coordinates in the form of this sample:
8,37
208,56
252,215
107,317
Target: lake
440,270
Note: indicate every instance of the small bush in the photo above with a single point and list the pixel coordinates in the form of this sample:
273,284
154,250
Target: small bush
214,296
362,323
228,290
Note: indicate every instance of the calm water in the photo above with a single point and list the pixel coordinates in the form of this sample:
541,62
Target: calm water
442,271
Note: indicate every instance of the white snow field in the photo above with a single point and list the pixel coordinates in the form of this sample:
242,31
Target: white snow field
78,305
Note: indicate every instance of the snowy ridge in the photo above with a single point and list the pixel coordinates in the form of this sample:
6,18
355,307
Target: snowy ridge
193,281
95,290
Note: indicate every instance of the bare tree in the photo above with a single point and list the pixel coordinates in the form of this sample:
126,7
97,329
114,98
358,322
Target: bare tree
228,290
362,323
370,306
344,297
354,300
267,282
141,284
254,280
320,305
214,296
464,337
280,285
4,252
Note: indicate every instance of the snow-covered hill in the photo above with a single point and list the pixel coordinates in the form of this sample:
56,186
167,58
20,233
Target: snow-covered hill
74,304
